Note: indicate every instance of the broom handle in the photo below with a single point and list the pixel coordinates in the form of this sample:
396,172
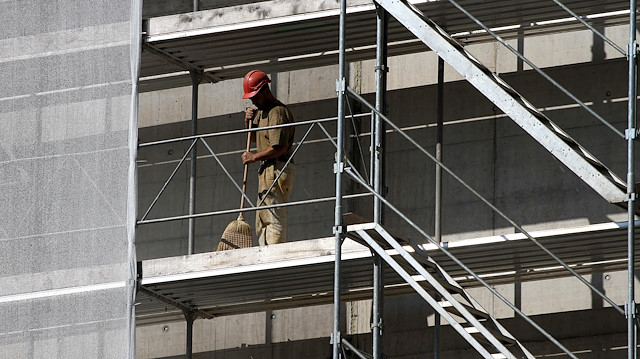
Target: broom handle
246,169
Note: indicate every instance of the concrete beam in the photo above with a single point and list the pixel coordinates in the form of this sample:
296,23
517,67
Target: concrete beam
245,17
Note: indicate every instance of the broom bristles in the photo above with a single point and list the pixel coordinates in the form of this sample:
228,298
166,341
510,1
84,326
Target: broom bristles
236,235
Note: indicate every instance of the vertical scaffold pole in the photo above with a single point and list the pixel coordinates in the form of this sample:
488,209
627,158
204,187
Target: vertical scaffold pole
631,195
378,306
382,21
339,229
195,81
438,189
381,98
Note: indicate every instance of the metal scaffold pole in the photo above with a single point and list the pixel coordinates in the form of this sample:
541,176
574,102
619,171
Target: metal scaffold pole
339,229
631,195
381,98
382,21
438,190
195,80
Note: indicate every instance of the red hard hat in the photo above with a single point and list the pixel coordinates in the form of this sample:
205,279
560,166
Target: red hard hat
253,82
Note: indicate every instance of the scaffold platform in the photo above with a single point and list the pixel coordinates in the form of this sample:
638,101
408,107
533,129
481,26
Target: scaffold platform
301,273
214,41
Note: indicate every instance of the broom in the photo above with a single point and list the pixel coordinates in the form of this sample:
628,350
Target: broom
238,232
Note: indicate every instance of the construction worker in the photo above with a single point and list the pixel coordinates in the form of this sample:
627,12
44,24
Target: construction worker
274,148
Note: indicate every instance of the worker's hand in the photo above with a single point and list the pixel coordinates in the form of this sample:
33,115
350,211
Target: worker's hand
248,158
249,114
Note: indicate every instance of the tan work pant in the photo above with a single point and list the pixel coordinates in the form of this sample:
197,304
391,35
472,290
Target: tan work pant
271,224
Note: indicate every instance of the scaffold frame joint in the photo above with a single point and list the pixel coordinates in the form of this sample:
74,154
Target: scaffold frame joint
632,50
630,309
382,67
341,229
341,86
378,325
331,338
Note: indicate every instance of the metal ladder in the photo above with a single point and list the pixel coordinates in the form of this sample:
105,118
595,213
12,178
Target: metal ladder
548,134
457,307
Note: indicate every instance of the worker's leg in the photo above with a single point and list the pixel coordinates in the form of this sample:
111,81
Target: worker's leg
271,224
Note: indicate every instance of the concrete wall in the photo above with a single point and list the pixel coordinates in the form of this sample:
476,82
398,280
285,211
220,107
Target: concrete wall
481,145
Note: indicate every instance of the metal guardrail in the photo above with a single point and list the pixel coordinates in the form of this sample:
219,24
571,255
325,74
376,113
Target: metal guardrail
195,139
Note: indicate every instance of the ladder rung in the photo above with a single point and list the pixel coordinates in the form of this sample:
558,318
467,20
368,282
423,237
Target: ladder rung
450,288
451,309
425,263
476,333
381,241
431,270
443,282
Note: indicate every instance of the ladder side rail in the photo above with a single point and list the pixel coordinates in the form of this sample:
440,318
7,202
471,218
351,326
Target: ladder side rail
477,305
474,304
419,250
504,332
440,289
423,293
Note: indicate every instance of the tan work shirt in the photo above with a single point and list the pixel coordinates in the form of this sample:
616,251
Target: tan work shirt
277,115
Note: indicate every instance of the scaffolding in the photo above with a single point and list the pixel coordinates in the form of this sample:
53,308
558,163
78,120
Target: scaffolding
347,270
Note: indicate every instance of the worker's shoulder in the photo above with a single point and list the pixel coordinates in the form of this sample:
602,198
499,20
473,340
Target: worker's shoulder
281,111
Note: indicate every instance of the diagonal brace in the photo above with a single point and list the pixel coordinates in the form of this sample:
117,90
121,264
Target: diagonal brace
355,350
186,153
286,164
226,172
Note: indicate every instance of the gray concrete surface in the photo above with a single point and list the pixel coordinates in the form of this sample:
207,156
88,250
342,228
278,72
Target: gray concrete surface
407,335
154,8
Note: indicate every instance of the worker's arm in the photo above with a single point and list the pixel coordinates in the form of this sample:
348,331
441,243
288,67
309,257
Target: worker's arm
266,154
249,114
